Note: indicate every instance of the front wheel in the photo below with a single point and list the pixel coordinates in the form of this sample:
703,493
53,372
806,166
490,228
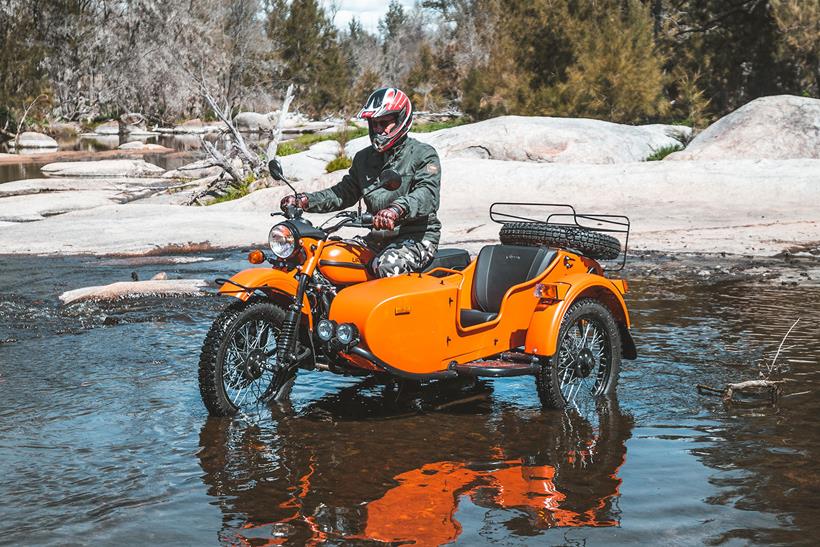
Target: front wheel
237,366
587,360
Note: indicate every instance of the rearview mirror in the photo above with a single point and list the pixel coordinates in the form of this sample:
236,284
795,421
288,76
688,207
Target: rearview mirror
389,180
275,169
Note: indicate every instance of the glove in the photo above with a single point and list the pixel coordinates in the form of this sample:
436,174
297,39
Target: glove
299,200
386,218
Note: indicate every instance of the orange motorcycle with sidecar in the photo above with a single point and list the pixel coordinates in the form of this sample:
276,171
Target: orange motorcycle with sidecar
539,303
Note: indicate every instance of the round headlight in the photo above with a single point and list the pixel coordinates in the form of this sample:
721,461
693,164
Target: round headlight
324,329
346,333
282,241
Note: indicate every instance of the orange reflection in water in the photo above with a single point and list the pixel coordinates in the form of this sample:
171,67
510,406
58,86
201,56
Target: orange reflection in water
421,509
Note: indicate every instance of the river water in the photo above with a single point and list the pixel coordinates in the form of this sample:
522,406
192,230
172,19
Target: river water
103,438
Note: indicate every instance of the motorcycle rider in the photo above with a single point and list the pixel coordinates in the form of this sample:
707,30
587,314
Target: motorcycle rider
406,230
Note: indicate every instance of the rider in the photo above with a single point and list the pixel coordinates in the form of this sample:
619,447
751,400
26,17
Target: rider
406,231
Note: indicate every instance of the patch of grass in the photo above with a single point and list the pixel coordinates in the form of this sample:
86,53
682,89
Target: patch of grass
236,192
435,126
303,142
287,148
661,153
342,162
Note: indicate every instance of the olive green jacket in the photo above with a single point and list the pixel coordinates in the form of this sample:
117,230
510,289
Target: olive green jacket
418,195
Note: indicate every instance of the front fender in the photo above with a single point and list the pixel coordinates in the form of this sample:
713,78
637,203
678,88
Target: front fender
542,334
267,280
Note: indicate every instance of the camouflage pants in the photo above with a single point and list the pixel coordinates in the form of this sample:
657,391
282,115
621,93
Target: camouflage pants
404,256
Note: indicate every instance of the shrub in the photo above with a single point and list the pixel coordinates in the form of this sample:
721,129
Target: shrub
661,153
435,126
342,162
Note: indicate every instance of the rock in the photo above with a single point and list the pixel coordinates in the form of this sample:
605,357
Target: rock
58,129
31,208
30,139
139,145
161,276
324,150
134,289
111,127
779,127
196,170
552,140
190,127
102,168
254,122
307,127
54,186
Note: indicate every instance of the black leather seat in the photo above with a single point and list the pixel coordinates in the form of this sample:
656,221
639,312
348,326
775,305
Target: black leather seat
454,259
498,268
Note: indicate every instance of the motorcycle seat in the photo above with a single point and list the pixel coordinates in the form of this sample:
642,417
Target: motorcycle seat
454,259
498,268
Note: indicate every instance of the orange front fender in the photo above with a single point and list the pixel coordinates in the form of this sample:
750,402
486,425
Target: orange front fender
271,282
542,334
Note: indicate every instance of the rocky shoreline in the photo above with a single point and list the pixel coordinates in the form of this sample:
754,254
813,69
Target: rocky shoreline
744,215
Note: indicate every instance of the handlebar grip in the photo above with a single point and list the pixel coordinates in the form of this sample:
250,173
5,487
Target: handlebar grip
367,219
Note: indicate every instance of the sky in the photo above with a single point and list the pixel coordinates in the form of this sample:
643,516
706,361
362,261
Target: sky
368,11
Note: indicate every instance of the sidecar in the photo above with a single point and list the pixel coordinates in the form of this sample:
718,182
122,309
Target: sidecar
538,303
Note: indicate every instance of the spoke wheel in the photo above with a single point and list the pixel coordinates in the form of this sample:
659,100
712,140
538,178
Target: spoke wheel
237,367
587,361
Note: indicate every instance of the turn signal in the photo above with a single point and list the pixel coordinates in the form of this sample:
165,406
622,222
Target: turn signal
256,257
549,292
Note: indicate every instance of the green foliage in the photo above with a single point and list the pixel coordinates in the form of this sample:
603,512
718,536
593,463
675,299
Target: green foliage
435,126
661,153
234,192
303,142
341,162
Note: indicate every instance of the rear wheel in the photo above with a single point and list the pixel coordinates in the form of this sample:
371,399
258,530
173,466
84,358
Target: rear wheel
587,360
237,366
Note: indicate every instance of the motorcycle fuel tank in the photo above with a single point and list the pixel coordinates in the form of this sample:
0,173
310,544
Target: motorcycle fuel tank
344,263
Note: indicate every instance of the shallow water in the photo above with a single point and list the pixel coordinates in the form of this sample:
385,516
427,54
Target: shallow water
103,437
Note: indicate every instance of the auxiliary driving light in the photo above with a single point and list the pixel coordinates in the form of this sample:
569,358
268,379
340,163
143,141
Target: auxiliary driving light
256,257
325,329
346,333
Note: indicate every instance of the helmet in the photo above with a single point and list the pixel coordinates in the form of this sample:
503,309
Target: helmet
383,102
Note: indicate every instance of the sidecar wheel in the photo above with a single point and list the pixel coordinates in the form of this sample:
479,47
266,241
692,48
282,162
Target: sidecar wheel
236,364
587,358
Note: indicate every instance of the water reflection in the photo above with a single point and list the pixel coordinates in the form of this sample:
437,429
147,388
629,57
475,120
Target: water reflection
410,473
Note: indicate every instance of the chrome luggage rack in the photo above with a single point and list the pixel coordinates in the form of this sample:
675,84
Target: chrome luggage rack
561,214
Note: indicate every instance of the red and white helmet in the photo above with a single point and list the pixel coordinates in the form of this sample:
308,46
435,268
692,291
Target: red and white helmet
383,102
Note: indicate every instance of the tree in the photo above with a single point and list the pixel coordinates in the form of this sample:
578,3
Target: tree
312,57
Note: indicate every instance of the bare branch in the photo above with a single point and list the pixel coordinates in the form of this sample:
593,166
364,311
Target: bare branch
22,123
280,124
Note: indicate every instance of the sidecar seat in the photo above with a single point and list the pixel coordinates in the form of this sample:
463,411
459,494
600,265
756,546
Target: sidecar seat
498,268
455,259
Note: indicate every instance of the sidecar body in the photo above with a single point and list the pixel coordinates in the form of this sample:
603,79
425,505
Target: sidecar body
500,316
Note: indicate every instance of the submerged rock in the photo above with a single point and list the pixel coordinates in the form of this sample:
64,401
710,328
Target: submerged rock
133,289
102,168
780,127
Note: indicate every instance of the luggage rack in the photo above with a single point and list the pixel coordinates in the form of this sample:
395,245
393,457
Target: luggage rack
561,214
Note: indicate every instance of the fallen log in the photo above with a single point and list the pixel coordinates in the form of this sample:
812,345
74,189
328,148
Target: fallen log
763,390
135,289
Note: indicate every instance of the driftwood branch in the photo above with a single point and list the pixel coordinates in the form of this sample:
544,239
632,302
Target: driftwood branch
21,125
764,390
273,145
236,137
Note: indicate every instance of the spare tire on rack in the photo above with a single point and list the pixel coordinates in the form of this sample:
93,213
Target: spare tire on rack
587,242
